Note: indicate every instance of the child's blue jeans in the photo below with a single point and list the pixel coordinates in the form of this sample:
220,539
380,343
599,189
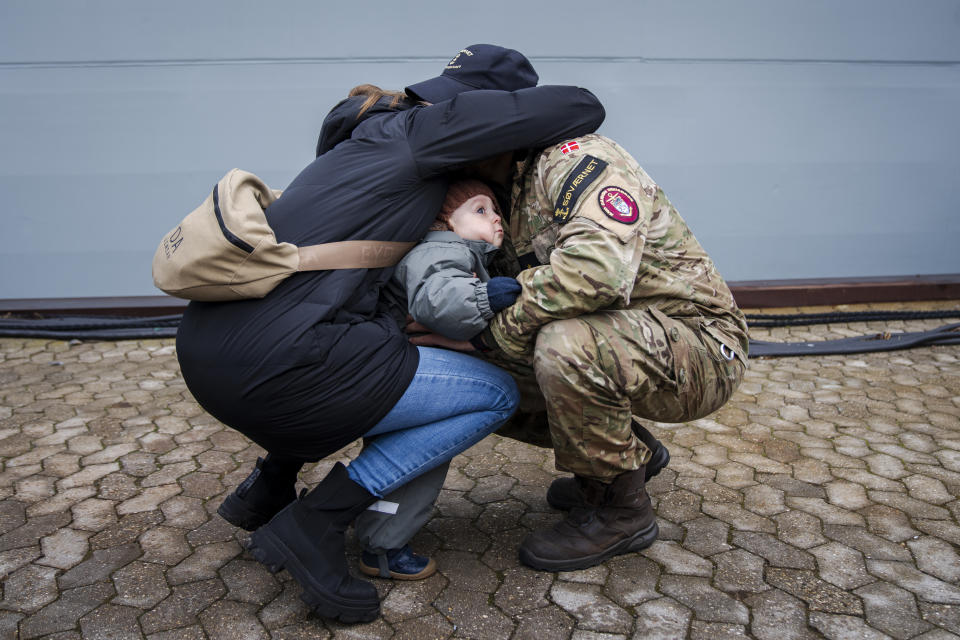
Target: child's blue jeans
453,402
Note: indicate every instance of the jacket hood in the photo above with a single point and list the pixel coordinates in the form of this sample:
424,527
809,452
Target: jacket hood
342,119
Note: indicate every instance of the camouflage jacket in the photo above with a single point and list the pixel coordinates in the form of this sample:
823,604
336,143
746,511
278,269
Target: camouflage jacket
603,235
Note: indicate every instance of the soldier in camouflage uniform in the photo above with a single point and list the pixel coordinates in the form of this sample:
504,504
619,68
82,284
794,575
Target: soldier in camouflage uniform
622,313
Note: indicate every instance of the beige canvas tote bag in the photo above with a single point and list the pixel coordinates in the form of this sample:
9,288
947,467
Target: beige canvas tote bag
225,250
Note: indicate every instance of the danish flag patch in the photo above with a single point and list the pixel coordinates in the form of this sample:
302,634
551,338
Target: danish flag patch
567,147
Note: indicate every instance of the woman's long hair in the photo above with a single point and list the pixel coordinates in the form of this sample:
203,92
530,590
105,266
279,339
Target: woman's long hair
373,94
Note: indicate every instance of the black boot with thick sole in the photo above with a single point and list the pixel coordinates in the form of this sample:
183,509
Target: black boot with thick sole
564,493
306,538
616,518
269,488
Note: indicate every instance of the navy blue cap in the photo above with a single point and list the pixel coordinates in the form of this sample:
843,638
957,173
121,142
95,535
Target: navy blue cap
479,66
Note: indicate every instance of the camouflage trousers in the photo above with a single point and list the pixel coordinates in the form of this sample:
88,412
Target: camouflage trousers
591,374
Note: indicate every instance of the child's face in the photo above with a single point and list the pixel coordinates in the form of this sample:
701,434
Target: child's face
476,219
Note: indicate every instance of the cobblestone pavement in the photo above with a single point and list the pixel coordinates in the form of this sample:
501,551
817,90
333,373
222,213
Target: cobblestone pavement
822,501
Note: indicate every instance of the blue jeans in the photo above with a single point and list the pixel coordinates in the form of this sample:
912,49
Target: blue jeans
453,402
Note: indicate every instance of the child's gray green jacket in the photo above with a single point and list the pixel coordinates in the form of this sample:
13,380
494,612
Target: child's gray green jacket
444,283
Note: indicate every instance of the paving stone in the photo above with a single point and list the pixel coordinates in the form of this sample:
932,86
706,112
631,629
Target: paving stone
459,534
93,514
204,562
9,621
840,627
937,634
662,619
111,622
12,515
471,615
909,506
140,584
61,464
936,557
412,599
99,566
287,609
181,607
118,486
739,571
548,622
214,530
466,572
763,500
677,560
593,575
716,631
580,634
679,506
29,588
228,620
706,536
841,565
148,499
924,586
819,595
523,590
735,476
870,545
34,488
201,485
500,516
63,549
193,632
942,615
453,504
13,559
739,518
164,545
847,495
168,474
708,604
311,631
633,579
184,512
592,610
944,530
777,616
249,581
775,552
799,529
431,626
889,523
63,614
892,610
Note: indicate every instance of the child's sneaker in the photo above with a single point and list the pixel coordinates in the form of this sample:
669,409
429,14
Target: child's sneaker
399,564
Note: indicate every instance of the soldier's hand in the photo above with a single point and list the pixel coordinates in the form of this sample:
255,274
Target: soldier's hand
437,340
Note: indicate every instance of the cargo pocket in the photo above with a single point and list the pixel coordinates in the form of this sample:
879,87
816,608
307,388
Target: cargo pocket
677,337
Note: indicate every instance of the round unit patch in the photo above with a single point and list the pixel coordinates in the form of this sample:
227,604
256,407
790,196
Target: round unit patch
619,205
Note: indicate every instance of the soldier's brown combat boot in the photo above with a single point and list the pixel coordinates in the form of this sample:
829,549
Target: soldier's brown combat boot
615,518
564,493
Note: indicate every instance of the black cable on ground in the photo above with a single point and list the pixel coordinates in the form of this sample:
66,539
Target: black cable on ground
801,319
125,328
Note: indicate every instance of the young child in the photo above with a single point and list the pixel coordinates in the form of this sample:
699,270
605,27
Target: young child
444,279
444,284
